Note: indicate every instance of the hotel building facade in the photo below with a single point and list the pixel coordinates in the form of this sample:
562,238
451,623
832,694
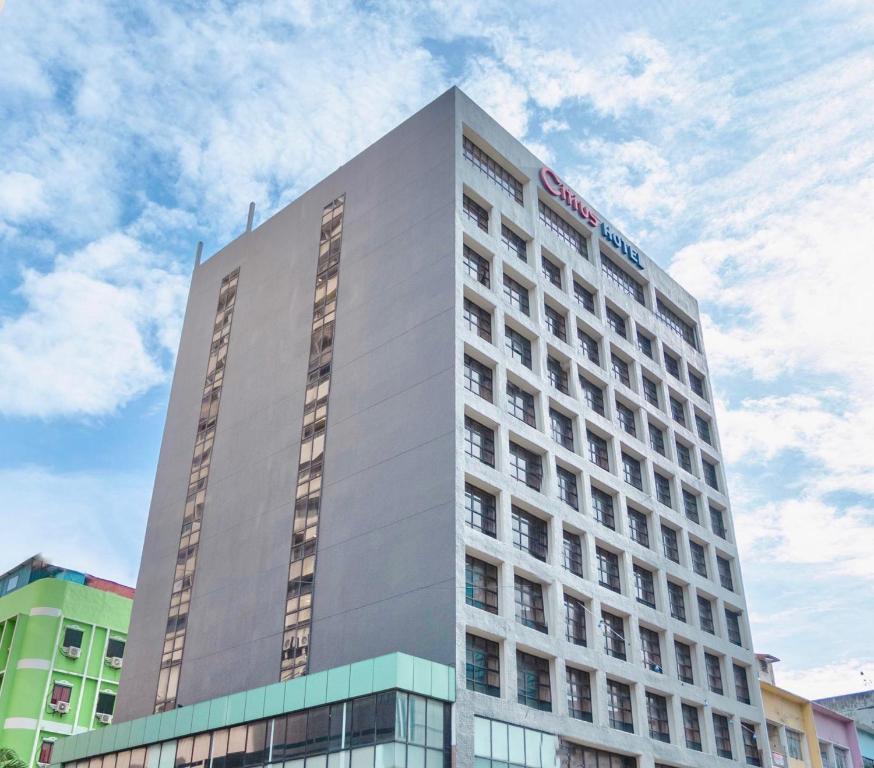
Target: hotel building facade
440,455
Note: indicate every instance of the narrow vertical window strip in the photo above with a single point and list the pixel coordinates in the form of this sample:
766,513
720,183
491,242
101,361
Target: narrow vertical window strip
189,537
308,495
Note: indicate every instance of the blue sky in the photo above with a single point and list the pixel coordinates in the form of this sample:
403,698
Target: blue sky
734,141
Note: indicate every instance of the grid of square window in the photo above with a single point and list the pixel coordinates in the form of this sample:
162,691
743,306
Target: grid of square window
587,475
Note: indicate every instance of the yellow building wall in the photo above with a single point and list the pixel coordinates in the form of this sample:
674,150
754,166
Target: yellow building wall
794,713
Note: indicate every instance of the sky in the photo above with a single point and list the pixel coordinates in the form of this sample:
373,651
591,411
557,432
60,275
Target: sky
733,141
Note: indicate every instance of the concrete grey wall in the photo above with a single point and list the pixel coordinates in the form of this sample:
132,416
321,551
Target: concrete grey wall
384,574
385,561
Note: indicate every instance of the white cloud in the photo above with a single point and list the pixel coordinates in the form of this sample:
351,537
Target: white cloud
552,125
97,330
21,196
631,177
810,532
833,679
498,92
92,522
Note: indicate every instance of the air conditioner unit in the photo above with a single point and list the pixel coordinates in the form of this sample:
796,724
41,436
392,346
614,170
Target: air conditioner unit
114,661
104,718
61,707
72,651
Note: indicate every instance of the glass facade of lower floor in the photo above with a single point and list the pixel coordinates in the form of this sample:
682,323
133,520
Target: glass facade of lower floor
389,729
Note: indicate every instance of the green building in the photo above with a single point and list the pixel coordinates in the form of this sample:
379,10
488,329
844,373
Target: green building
62,640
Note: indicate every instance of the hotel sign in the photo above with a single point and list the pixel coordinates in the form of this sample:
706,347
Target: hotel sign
557,188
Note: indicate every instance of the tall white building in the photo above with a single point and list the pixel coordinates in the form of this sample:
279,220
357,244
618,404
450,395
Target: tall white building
440,407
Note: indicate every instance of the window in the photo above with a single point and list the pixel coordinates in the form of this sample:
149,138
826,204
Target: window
723,736
678,411
479,441
670,544
619,277
567,487
61,693
602,508
557,374
585,297
475,212
493,170
597,450
690,506
717,522
684,662
751,749
616,323
824,755
525,466
105,703
573,553
477,378
644,586
710,474
620,370
723,565
520,404
517,294
793,742
72,637
529,604
714,673
619,706
644,344
677,601
560,227
696,382
532,681
650,391
684,456
741,684
575,620
842,758
663,489
625,416
480,510
481,584
45,751
699,558
608,569
579,694
562,429
631,471
478,320
515,244
483,666
657,439
657,715
555,322
589,346
651,649
476,266
638,527
529,533
672,365
705,615
518,346
676,323
551,271
703,427
593,395
732,624
614,635
691,727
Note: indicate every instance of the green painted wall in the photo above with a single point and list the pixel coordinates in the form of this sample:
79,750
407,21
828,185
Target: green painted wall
32,623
